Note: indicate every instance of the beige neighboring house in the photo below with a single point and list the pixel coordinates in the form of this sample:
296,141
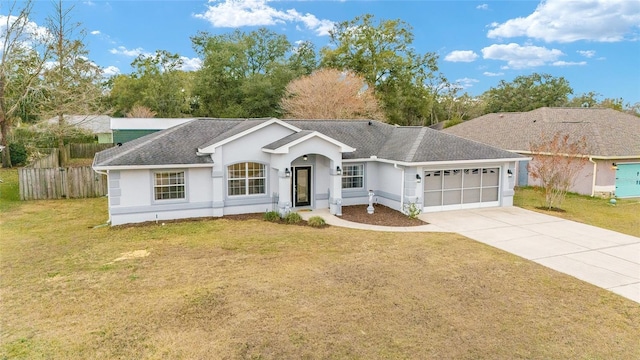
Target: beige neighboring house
612,136
100,125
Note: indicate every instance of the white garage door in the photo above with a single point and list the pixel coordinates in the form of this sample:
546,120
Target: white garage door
461,188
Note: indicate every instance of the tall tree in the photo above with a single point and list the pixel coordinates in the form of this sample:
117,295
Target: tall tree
23,55
156,83
526,93
382,53
244,74
330,94
72,82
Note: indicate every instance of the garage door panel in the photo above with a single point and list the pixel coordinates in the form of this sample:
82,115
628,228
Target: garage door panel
465,188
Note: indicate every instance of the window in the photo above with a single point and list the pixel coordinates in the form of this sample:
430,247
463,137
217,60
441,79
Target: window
169,185
246,179
353,176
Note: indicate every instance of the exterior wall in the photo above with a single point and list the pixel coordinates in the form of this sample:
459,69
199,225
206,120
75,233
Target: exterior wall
583,182
122,136
131,198
105,138
385,182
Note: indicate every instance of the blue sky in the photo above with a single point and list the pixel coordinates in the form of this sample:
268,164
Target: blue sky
595,45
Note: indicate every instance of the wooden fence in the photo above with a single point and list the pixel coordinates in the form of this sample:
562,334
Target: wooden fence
59,183
85,151
48,161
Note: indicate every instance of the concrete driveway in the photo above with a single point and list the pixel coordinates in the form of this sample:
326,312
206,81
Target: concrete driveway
605,258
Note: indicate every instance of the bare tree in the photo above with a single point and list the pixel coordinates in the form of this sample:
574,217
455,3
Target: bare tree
330,94
557,163
23,55
72,81
139,111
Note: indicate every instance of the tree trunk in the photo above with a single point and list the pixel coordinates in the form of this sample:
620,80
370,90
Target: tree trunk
62,154
6,155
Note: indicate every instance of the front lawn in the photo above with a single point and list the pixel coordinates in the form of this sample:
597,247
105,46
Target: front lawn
252,289
623,217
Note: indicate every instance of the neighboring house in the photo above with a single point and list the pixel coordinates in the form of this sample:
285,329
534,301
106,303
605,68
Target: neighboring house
216,167
127,129
100,125
613,138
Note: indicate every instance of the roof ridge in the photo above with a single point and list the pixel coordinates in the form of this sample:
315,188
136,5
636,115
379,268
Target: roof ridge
416,144
160,134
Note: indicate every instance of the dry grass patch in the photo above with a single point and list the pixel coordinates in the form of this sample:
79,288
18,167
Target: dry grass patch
251,289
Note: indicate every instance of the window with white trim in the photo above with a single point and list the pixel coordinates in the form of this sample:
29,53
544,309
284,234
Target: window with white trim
169,185
246,179
353,176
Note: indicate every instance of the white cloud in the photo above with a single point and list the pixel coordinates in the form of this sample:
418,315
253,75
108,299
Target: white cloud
569,63
110,71
31,30
190,64
461,56
521,57
483,7
587,53
121,50
238,13
95,32
466,83
487,73
568,21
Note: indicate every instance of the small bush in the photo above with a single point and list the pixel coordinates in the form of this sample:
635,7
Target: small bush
272,216
17,153
316,221
412,210
292,218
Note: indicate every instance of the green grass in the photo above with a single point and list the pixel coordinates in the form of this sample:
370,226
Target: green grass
253,289
9,189
623,217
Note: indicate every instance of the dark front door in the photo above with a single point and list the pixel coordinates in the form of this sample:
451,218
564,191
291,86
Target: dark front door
302,186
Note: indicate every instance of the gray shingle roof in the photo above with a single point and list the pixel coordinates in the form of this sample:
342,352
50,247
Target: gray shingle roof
287,139
608,132
178,145
97,124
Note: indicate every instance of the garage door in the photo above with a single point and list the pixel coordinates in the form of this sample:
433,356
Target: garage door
461,188
628,180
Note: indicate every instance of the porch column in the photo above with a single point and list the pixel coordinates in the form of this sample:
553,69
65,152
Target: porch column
284,191
335,189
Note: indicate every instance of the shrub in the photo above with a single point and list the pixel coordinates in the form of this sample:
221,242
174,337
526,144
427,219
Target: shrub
272,216
17,153
316,221
292,218
412,210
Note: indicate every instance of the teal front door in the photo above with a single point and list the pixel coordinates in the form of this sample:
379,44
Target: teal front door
628,180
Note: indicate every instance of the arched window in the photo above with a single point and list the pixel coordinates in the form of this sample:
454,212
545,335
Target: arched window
246,179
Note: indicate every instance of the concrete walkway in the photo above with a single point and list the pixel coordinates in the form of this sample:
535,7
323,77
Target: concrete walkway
605,258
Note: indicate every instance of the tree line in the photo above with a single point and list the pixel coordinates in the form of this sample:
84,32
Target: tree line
369,70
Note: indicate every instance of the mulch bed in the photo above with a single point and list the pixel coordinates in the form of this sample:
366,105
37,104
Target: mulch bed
382,215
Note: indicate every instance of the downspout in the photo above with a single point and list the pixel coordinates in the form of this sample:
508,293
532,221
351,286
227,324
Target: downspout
593,183
395,165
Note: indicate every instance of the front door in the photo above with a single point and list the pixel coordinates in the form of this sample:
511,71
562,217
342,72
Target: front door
302,186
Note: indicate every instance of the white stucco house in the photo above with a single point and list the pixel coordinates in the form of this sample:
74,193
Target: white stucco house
217,167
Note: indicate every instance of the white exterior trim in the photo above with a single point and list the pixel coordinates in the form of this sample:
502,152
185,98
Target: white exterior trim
284,149
143,167
212,148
